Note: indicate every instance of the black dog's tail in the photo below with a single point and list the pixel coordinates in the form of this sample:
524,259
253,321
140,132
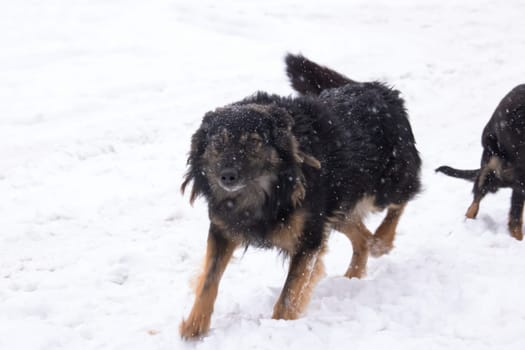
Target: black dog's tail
469,175
309,78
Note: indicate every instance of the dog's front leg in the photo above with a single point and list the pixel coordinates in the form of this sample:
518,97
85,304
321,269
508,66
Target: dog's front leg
306,266
219,251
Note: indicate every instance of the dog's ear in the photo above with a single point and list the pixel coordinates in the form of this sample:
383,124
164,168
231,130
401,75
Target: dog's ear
289,146
300,158
285,139
199,140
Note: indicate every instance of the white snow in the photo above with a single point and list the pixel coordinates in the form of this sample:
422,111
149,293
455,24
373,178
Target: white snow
98,101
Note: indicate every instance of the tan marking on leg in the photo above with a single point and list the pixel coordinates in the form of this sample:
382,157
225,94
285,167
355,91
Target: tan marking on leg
516,214
218,254
472,211
516,232
383,240
515,229
305,271
360,237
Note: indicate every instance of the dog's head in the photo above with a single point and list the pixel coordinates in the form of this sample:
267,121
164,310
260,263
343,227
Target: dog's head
241,153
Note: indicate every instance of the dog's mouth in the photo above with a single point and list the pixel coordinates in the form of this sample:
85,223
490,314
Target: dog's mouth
233,188
262,182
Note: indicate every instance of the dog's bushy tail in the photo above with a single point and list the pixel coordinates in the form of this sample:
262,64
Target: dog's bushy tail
309,78
469,175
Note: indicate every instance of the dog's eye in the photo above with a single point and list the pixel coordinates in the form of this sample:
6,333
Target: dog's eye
217,143
254,143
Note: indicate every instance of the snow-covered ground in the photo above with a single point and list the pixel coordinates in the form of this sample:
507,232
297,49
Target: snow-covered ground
98,100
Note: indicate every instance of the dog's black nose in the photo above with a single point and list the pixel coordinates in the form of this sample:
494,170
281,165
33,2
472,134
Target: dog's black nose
229,177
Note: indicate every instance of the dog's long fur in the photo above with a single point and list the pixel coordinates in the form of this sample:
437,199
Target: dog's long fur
502,160
282,172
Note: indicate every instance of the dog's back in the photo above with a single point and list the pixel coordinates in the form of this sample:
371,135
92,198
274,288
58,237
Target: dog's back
375,122
504,134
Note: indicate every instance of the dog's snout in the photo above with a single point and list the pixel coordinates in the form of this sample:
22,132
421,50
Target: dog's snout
229,176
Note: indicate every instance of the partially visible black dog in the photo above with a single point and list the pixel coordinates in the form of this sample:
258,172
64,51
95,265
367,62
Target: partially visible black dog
282,172
502,160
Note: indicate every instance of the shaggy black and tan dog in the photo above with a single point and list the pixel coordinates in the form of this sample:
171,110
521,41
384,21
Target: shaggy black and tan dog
282,172
502,160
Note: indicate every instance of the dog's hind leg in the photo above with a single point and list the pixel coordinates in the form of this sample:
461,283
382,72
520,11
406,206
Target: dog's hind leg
383,240
491,165
516,214
479,193
473,209
218,253
360,237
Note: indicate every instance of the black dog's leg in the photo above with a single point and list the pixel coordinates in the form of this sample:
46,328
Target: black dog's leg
479,190
218,253
306,267
473,209
516,214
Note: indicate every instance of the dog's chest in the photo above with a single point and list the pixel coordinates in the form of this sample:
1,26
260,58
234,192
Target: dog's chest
283,234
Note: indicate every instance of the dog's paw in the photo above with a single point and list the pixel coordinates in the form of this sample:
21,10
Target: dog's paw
516,233
283,312
378,248
472,211
194,327
355,272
